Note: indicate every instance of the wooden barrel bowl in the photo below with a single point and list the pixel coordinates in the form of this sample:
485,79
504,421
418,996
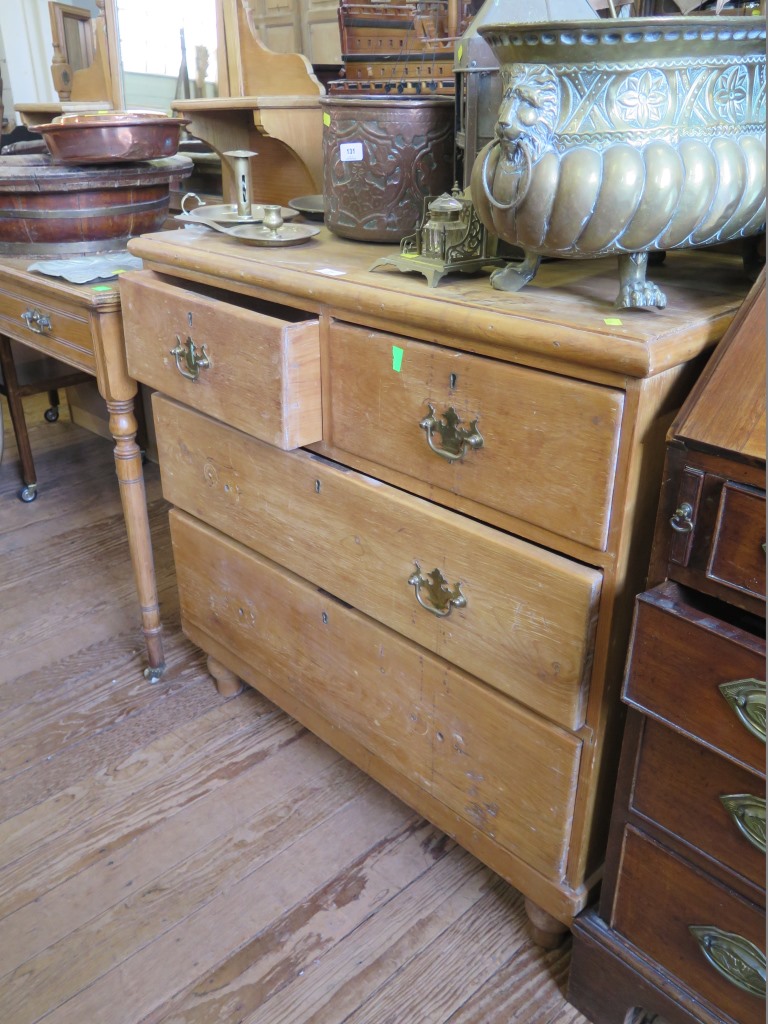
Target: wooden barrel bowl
48,208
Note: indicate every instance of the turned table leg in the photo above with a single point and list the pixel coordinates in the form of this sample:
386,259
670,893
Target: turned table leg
547,931
227,683
130,475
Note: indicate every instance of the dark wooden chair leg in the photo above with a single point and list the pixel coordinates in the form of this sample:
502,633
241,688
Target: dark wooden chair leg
16,410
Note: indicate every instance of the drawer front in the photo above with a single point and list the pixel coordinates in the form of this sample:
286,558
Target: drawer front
502,770
660,899
708,802
700,675
738,555
259,372
518,617
716,538
534,445
60,330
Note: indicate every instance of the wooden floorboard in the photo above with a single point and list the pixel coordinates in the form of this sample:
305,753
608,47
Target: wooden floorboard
168,856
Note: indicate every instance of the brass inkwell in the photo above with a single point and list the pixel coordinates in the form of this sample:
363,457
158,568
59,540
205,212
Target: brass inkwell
450,239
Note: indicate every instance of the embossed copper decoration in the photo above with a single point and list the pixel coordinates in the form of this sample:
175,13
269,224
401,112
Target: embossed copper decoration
382,156
624,137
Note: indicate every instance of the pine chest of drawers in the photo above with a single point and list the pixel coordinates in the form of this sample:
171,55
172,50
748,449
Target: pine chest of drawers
415,518
681,924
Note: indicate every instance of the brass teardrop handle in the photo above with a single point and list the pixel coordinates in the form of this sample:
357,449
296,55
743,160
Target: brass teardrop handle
748,814
193,362
682,519
746,697
440,598
455,439
736,958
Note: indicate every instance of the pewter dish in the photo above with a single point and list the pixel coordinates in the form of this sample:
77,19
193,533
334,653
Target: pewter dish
311,207
259,234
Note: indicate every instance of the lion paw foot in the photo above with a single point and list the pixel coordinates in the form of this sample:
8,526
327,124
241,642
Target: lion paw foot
515,276
639,295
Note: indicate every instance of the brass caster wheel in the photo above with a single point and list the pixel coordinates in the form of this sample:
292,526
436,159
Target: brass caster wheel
51,414
28,493
154,673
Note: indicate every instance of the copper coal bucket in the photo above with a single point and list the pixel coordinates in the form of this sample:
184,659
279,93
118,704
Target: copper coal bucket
624,136
381,156
48,208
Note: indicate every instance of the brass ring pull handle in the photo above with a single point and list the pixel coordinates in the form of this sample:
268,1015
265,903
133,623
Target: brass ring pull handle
736,958
440,597
37,321
521,190
748,814
455,439
746,698
682,520
193,362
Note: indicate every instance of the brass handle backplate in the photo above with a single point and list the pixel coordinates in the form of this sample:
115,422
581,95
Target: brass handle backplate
455,440
748,814
746,697
188,362
440,598
37,321
736,958
682,518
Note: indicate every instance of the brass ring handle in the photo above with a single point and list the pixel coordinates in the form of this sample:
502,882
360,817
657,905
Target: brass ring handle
455,439
440,597
734,957
521,192
37,321
748,814
682,520
746,698
193,362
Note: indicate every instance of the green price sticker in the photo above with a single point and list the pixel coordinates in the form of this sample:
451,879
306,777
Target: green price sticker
102,288
612,321
397,359
326,118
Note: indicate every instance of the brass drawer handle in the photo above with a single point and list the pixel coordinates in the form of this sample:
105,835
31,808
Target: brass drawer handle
440,597
37,321
748,813
193,362
746,697
456,440
682,521
736,958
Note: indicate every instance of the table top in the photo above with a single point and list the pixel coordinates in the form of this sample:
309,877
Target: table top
564,316
98,296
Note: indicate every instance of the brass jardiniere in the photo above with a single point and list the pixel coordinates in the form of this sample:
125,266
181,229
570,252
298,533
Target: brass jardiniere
624,137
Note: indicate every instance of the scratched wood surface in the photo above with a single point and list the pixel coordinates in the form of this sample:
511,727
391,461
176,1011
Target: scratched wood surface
167,855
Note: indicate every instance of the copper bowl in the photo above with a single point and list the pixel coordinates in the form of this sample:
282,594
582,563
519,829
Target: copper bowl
111,136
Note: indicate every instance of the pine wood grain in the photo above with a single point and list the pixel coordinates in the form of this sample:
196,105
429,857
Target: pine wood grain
170,856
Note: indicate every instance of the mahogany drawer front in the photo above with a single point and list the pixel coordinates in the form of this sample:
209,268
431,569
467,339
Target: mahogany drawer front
501,769
679,660
64,330
660,897
549,444
716,538
520,618
703,799
263,372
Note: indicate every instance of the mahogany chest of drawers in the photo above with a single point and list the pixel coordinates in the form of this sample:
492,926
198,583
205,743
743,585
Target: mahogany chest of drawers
414,518
681,924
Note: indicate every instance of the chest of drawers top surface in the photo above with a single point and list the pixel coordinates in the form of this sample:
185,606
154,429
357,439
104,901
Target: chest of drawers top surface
566,320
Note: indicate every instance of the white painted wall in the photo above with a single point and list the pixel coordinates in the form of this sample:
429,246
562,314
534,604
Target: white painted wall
25,27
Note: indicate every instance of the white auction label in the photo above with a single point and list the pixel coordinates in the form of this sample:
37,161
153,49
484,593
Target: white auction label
349,151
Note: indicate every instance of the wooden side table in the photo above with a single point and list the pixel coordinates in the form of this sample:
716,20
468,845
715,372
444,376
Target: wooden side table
81,325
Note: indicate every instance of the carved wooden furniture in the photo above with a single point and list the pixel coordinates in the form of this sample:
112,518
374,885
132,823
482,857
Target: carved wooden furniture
80,325
415,518
681,924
